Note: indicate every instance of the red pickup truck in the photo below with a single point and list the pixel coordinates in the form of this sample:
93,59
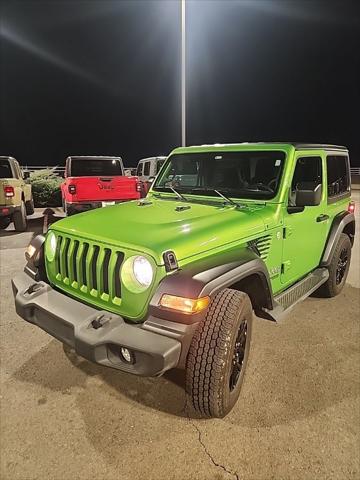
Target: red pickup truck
92,182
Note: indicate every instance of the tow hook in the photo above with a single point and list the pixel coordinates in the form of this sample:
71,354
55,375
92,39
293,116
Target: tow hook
100,321
35,287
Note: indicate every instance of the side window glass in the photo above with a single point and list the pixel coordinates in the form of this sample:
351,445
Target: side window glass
147,168
308,170
338,178
139,170
17,170
159,164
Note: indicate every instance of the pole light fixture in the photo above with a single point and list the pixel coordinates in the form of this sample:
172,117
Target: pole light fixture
183,73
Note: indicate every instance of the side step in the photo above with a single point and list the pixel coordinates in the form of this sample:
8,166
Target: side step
286,300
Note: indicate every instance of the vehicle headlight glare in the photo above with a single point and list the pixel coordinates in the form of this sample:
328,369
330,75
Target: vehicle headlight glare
137,274
143,271
50,246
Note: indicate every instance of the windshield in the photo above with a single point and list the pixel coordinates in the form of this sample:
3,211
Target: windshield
91,167
5,170
250,174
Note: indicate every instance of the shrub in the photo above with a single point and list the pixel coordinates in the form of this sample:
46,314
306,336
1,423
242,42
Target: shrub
46,188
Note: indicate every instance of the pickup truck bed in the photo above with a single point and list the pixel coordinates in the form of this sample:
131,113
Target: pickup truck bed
93,182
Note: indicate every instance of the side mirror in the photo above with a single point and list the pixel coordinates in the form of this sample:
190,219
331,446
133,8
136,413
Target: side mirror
26,174
151,179
308,194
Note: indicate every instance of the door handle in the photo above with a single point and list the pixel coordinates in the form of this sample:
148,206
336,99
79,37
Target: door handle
322,218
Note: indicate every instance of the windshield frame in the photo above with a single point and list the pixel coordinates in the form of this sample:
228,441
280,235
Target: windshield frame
207,191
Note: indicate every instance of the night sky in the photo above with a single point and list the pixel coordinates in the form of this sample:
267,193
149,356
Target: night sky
103,77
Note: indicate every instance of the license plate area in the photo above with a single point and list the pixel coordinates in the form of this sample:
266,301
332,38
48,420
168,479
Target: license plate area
55,327
107,204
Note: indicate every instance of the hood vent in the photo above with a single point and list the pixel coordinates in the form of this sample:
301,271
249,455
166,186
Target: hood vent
261,246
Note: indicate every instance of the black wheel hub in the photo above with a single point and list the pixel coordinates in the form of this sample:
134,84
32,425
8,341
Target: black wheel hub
341,266
238,355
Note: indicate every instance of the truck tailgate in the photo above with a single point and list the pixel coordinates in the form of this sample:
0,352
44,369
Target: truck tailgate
104,188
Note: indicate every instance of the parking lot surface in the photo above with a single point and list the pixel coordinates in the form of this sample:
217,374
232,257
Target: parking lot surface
298,415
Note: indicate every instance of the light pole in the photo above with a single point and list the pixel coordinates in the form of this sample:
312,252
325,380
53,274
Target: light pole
183,75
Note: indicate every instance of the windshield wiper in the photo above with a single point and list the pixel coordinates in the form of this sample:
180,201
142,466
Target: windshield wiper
178,194
228,199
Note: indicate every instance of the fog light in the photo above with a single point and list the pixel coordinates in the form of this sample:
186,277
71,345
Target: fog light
126,355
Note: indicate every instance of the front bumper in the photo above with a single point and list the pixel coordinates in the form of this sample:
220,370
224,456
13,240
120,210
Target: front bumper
156,345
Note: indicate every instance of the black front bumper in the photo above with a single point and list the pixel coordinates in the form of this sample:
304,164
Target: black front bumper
156,346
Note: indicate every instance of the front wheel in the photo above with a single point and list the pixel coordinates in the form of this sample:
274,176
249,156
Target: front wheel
338,268
218,354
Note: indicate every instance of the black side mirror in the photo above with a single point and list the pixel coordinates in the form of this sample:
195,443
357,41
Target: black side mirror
308,194
26,175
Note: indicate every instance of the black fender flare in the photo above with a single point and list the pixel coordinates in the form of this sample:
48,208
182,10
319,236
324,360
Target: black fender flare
207,276
339,224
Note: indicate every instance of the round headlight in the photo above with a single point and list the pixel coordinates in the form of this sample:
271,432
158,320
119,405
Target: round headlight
137,274
143,271
50,246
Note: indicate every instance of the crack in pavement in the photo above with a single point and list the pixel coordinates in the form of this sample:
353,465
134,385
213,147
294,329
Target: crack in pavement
216,464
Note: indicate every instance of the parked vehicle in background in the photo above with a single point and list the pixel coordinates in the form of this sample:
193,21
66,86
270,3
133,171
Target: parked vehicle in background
147,170
130,171
16,201
96,181
173,280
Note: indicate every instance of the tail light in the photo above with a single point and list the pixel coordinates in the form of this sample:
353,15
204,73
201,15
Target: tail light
9,191
351,207
138,186
72,189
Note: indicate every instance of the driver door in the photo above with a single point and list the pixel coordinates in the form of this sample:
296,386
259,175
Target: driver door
305,228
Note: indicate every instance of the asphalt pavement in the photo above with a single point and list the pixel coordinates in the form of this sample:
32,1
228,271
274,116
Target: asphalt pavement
298,415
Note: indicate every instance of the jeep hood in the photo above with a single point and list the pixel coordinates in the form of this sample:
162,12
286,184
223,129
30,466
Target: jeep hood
186,228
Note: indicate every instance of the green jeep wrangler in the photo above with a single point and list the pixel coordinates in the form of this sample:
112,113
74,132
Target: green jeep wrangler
173,280
16,199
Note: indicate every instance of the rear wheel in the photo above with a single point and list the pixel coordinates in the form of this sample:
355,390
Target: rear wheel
218,354
338,269
20,221
4,222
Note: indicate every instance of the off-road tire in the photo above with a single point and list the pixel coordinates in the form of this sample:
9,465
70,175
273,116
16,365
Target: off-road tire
30,207
4,222
210,358
332,288
19,217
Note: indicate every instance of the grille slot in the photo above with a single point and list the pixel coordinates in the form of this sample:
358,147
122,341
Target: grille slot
73,260
57,253
94,267
119,260
106,270
83,263
89,268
